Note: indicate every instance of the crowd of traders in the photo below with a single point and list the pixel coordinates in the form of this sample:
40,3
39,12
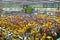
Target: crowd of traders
36,27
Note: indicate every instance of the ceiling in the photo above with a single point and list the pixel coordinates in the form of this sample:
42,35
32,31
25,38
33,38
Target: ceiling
29,0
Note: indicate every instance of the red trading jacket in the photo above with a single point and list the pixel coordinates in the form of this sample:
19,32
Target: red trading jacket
19,20
46,31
